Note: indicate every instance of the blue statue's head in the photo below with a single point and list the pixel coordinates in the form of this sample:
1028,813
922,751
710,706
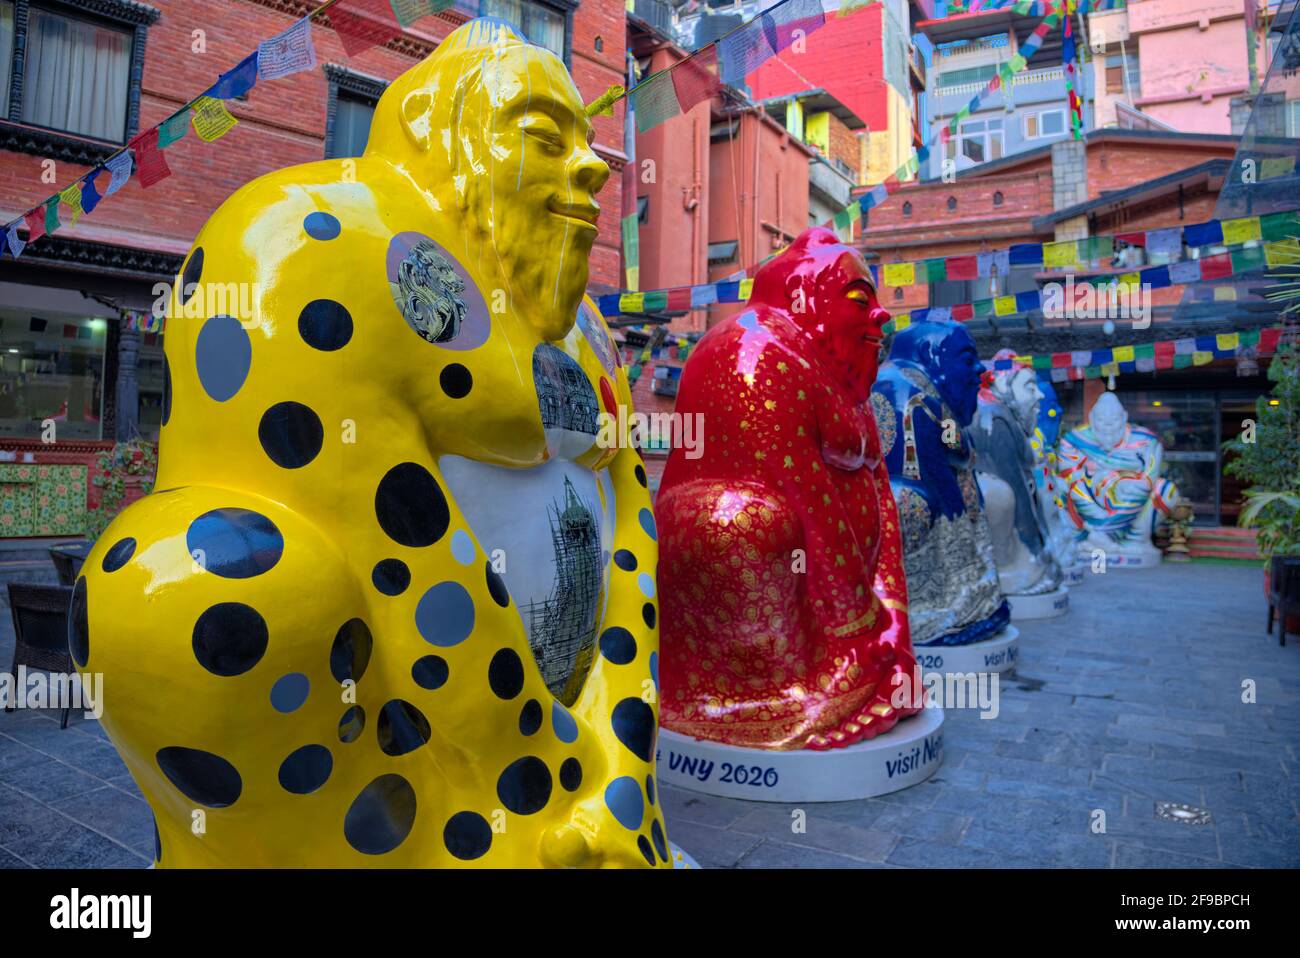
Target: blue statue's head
946,352
1049,412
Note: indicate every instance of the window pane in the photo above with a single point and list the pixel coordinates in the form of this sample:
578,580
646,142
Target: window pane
539,24
77,77
149,377
1053,122
51,367
6,51
1031,125
995,145
351,126
973,149
995,124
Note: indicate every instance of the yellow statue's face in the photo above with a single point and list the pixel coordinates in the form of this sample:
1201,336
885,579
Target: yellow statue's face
540,183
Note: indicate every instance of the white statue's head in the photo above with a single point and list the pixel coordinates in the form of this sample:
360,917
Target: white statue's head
1018,390
1108,420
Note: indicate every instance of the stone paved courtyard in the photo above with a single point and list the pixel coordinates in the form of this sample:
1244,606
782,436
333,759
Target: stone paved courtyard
1133,697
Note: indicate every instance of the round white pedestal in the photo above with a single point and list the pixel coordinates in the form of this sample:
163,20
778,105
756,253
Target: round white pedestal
1137,559
680,858
997,654
1048,605
908,753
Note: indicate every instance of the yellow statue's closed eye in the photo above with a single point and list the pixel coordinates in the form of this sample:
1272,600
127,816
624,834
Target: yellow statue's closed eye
392,604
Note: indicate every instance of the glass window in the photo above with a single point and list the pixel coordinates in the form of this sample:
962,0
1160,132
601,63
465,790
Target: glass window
78,76
149,378
981,140
352,116
541,24
1044,123
981,74
6,52
51,367
1293,118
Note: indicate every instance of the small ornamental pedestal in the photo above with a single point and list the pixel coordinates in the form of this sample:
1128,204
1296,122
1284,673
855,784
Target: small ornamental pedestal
907,754
1046,605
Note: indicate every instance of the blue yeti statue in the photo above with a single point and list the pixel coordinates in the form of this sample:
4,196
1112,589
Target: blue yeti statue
923,398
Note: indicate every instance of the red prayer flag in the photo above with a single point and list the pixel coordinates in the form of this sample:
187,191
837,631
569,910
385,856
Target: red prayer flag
1216,267
1133,239
679,298
963,312
35,220
696,79
150,164
1165,348
1061,360
963,267
1268,339
362,24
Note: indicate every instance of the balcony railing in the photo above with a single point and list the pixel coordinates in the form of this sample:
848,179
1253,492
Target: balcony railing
657,13
1020,79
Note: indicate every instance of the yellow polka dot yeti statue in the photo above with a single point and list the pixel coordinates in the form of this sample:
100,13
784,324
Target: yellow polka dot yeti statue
393,603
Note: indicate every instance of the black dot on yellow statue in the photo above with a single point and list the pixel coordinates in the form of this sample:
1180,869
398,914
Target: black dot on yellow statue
373,617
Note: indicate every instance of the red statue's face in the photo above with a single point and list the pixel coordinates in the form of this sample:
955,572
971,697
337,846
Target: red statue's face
851,322
826,289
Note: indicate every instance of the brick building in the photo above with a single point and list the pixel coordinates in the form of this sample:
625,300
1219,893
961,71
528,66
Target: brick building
64,351
1114,181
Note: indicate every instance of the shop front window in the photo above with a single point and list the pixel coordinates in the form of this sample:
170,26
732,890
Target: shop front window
51,375
149,378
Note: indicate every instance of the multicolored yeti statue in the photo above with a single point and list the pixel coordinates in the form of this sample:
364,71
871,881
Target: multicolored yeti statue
1004,459
923,399
393,605
1115,492
784,601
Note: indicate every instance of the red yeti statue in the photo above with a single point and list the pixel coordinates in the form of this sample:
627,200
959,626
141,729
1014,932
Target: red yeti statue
781,568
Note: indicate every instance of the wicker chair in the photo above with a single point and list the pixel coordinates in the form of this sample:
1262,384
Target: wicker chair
1283,592
40,631
67,562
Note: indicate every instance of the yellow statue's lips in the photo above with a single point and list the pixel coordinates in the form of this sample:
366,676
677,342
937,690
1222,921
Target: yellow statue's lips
583,213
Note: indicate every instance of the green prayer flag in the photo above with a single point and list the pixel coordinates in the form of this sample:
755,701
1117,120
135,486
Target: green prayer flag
51,214
1248,260
173,128
1279,226
983,307
656,300
1147,351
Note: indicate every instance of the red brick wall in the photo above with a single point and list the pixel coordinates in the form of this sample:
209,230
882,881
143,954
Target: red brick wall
976,224
844,57
282,122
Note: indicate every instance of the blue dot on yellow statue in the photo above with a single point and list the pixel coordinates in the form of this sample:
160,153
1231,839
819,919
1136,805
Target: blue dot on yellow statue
372,616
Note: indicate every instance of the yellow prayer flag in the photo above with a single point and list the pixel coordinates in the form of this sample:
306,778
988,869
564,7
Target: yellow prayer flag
1240,230
1283,253
1200,359
900,274
1110,369
1130,279
1224,293
1276,166
633,277
631,303
746,288
1122,354
1061,254
1228,340
1004,305
72,196
211,119
902,322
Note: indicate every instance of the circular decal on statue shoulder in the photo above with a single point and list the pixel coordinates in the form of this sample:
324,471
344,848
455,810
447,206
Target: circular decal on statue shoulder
597,337
435,294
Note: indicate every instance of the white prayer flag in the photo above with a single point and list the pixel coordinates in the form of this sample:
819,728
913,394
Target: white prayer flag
289,52
1188,271
120,167
1165,241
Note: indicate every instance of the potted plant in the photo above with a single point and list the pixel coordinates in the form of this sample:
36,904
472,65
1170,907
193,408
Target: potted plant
1269,461
123,474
